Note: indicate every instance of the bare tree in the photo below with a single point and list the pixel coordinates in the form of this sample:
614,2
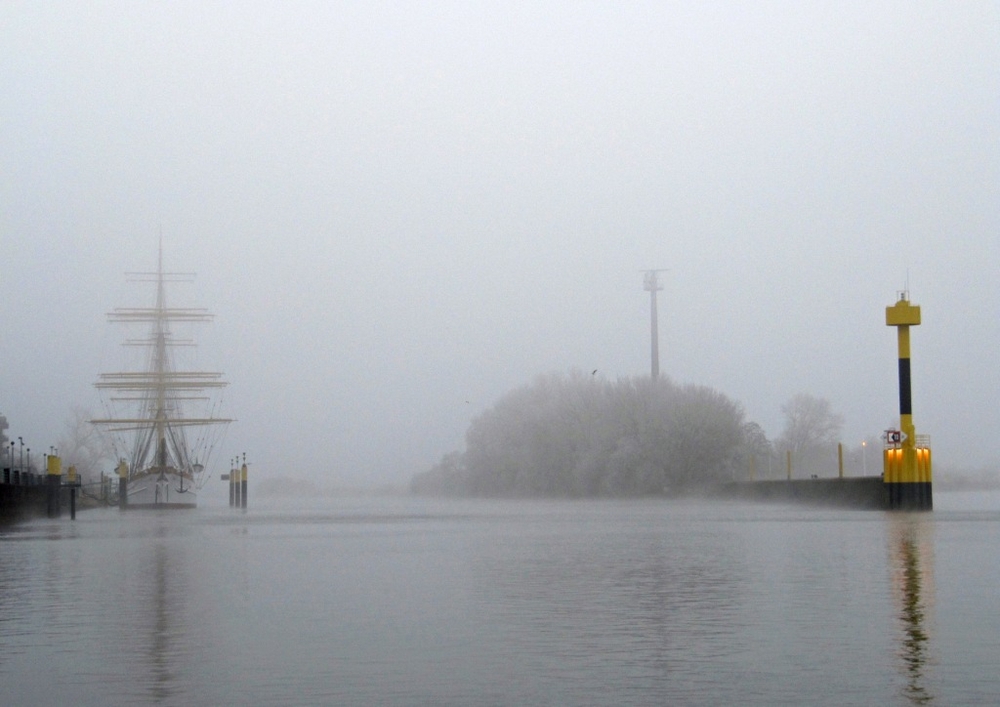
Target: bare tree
757,451
84,446
756,440
812,429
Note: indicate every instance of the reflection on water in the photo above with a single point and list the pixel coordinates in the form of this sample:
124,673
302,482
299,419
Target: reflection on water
616,610
161,644
156,605
913,584
400,602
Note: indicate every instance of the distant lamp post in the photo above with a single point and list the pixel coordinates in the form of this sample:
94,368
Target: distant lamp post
20,464
864,456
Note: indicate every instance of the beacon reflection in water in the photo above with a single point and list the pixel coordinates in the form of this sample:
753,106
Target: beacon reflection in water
912,565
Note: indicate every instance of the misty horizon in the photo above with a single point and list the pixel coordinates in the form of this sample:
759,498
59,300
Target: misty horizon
400,213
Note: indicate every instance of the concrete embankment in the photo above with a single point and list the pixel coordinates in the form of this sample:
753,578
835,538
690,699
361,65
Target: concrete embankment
26,500
866,492
17,501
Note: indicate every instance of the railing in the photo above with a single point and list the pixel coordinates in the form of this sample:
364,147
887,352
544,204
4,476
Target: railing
920,442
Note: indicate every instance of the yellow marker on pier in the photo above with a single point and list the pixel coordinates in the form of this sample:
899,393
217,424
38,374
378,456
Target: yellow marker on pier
907,457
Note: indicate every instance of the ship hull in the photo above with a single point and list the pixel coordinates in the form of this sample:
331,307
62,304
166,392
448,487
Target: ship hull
161,492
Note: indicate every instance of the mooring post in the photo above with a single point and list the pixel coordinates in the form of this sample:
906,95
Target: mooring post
840,459
54,468
71,481
908,482
243,485
122,484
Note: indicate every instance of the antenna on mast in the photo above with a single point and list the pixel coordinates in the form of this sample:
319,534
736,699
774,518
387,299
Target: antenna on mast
904,294
651,284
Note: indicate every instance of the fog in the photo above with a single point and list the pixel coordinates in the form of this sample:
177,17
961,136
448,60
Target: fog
400,211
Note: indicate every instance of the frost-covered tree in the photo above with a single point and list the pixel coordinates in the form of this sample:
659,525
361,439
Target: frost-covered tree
811,431
577,436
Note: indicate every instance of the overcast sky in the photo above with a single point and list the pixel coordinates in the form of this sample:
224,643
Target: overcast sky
400,211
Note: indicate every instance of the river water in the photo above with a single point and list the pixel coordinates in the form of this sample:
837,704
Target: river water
422,602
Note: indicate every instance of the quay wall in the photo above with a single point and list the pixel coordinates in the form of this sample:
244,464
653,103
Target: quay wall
17,501
866,492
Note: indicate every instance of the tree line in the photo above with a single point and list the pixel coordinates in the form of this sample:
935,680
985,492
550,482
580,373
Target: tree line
577,435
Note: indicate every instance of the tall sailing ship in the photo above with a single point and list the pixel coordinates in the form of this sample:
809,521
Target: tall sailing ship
163,421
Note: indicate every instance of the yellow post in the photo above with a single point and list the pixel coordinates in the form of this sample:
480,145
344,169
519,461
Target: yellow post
122,484
840,459
54,469
908,480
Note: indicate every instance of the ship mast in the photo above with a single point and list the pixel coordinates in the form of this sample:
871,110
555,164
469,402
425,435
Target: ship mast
155,395
160,366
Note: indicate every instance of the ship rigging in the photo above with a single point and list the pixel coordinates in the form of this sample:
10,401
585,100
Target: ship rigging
163,421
